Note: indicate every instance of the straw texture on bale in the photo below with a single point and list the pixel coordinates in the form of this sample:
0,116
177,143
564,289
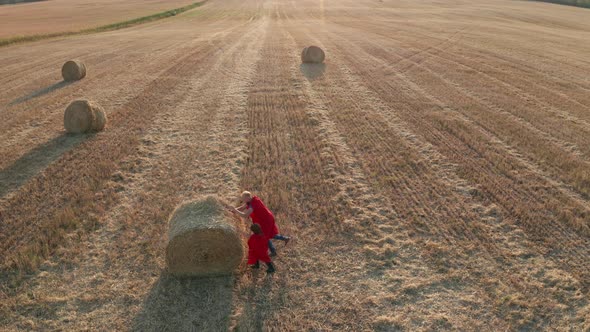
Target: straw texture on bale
83,116
201,241
312,54
73,70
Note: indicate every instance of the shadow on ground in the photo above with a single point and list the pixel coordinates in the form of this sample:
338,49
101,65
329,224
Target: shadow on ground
40,92
312,71
174,304
260,304
15,2
36,160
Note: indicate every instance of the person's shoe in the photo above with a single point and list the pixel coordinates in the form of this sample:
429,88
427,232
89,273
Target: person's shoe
271,268
255,266
273,253
287,239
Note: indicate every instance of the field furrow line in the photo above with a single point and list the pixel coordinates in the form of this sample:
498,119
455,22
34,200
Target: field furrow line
514,245
510,78
356,92
552,67
416,87
563,147
387,243
288,166
513,63
546,230
553,119
569,152
544,84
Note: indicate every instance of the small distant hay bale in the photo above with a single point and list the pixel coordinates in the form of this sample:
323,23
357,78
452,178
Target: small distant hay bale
312,54
83,116
73,70
202,241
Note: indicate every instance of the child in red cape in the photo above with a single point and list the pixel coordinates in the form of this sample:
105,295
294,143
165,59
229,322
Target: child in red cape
261,215
258,249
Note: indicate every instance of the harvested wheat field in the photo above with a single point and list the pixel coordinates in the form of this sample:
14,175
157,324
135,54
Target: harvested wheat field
52,16
434,170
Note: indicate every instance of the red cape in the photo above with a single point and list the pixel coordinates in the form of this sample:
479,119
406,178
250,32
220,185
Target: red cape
258,249
262,216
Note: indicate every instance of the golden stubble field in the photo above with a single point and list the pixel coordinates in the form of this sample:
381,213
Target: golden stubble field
434,172
51,16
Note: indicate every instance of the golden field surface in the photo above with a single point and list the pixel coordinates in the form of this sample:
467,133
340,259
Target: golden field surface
52,16
434,173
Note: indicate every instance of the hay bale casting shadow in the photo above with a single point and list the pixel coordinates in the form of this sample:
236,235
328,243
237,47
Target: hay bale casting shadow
174,304
73,70
312,54
312,71
201,241
83,116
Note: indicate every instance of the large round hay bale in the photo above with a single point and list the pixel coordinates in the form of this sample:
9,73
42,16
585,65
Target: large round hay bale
73,70
312,54
202,241
83,116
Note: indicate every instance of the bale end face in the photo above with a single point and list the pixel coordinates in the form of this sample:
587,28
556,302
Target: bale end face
202,242
312,54
83,116
73,70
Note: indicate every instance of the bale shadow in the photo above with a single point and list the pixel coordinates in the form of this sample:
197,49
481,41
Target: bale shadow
185,304
40,92
36,160
261,305
312,71
263,296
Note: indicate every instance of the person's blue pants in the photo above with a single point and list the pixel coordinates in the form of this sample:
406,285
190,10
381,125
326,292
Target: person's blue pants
271,246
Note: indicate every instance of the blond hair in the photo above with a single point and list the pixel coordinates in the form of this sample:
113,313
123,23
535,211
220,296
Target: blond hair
247,194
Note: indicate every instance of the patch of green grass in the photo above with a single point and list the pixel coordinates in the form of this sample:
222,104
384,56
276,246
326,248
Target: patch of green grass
103,28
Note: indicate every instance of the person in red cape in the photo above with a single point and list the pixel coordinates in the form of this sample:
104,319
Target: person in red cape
254,208
258,249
